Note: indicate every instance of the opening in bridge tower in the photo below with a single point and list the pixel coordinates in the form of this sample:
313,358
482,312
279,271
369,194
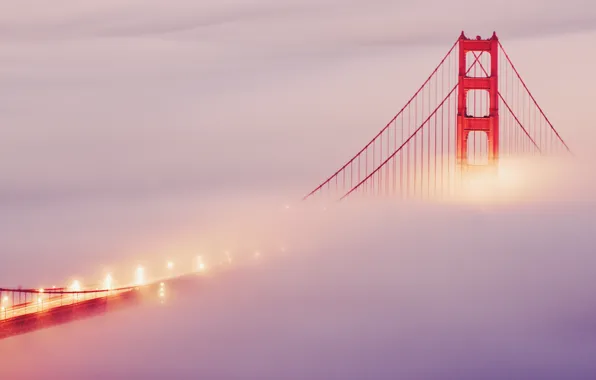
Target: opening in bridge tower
468,122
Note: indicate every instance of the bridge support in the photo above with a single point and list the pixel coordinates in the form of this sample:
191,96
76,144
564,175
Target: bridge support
488,81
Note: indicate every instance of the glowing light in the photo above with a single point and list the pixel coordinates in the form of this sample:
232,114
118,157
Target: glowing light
170,265
41,290
140,276
200,264
5,299
486,185
511,177
75,286
108,282
39,300
161,290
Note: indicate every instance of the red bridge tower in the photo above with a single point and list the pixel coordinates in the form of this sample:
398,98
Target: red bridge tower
489,82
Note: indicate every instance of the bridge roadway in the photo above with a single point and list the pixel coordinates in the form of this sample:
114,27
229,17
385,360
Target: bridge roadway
51,307
45,301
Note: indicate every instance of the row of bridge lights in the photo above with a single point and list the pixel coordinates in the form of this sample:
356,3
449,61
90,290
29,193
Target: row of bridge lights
75,286
140,279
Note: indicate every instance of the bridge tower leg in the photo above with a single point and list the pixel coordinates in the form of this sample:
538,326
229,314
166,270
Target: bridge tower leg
467,123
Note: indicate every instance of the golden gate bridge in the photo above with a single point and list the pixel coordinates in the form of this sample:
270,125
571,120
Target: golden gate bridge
473,110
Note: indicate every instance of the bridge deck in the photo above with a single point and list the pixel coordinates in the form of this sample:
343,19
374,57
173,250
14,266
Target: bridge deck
58,314
62,307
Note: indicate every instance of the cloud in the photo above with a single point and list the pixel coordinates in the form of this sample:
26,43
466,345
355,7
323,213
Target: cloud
328,19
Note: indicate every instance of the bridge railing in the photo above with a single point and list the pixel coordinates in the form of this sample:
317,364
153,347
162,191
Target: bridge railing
15,302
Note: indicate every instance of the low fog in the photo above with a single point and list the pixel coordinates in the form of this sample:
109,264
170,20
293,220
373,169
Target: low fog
137,132
376,290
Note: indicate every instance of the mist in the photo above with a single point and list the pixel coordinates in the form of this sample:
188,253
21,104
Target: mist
367,290
137,132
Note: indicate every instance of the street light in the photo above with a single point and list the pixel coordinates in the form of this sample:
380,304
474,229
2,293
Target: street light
140,276
200,265
108,282
75,286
